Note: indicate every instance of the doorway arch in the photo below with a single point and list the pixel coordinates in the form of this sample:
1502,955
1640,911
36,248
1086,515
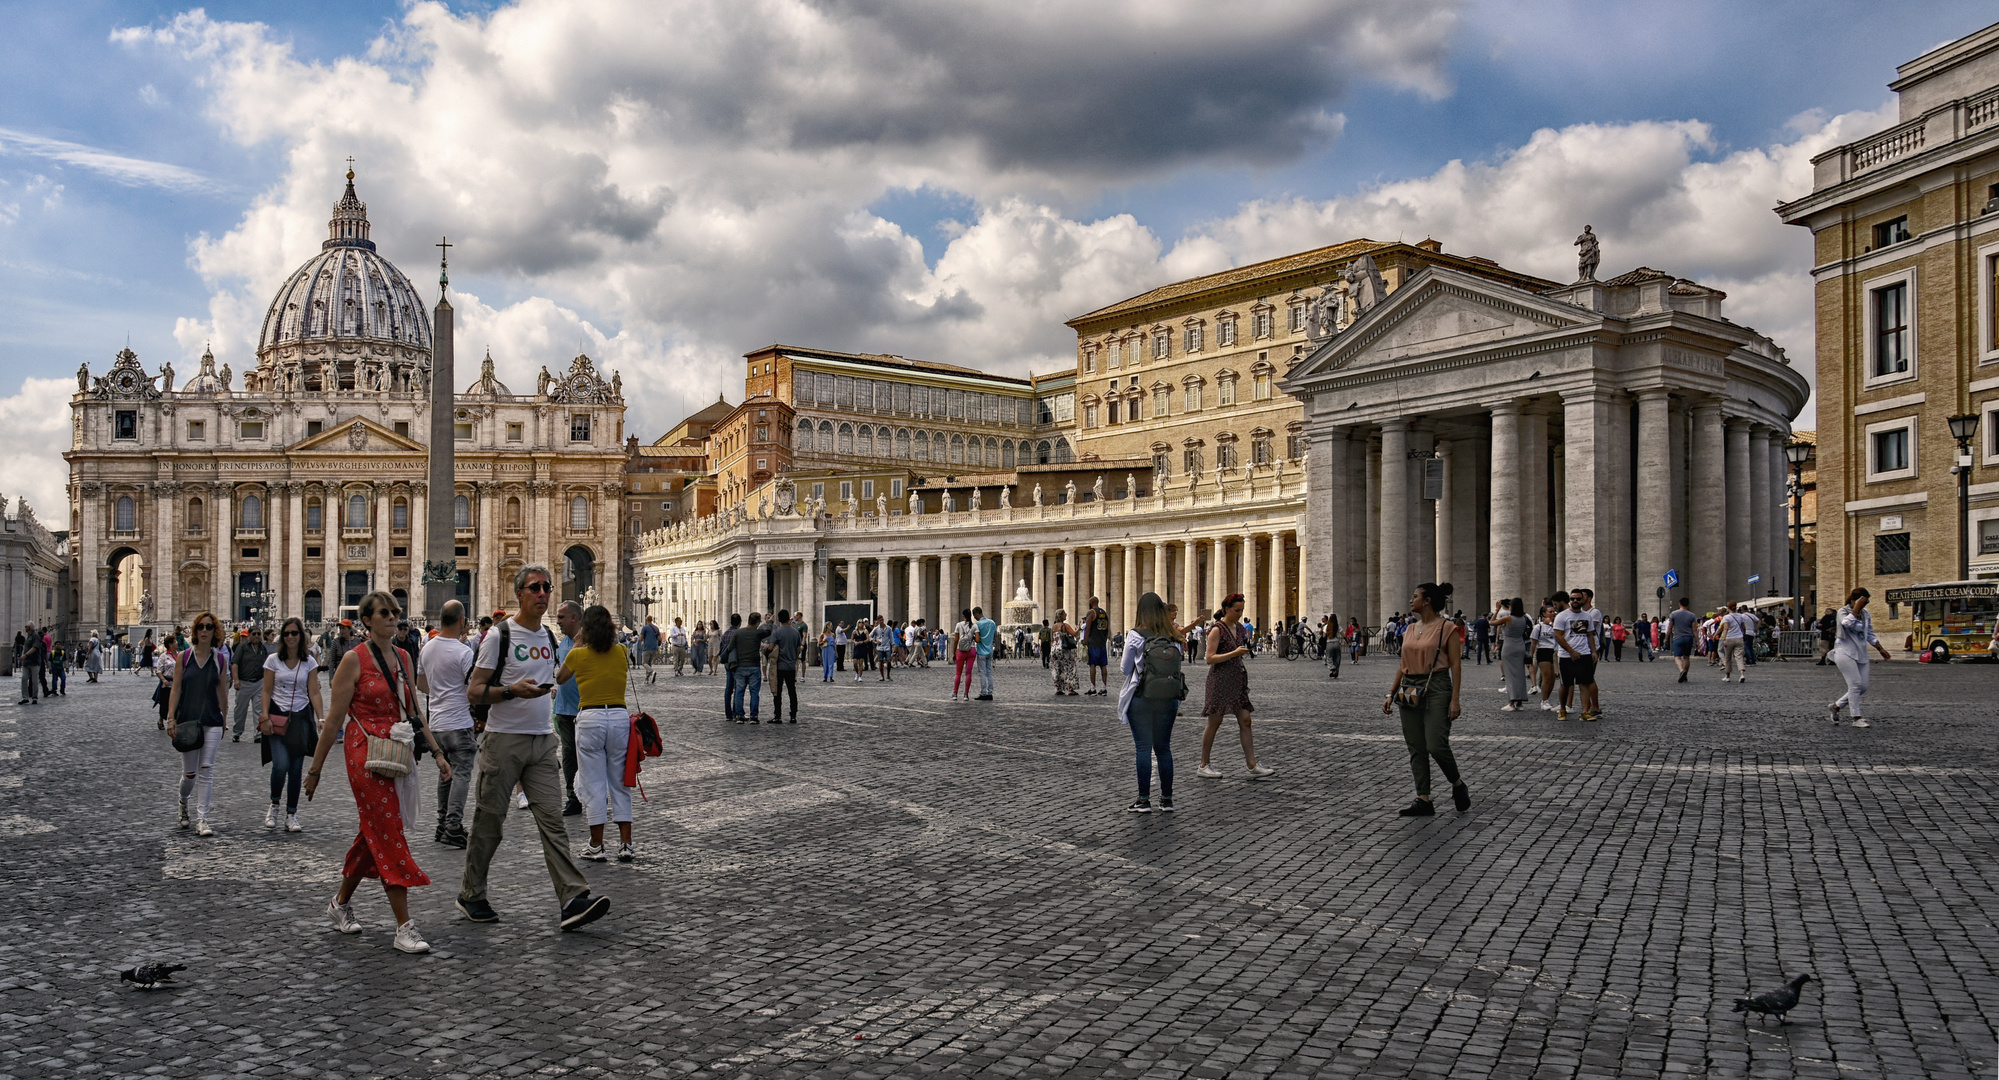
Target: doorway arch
579,572
126,573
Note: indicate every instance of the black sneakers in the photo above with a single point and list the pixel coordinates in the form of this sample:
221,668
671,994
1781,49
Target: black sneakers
454,838
1142,806
572,808
1419,808
477,910
582,910
1461,797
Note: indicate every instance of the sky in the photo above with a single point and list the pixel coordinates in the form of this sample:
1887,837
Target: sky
668,184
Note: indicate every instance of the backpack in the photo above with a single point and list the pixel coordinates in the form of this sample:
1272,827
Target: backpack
1160,678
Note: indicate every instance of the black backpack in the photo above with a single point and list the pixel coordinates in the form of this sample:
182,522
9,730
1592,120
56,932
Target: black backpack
1160,678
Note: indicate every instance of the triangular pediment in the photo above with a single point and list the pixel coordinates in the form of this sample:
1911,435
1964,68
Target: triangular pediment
339,436
1439,311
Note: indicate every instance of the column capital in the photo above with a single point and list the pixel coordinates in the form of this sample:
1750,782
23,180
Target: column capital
1508,406
90,490
1735,423
1397,424
1652,393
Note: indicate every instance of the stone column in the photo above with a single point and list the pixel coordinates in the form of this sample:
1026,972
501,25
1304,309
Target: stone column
1590,498
979,571
1470,467
1128,602
1275,607
1393,592
1190,580
93,609
1446,565
486,522
418,545
332,517
381,540
1369,586
1537,554
224,591
1218,575
1779,509
1707,540
1326,512
758,592
1654,539
1070,602
1305,596
294,602
1251,602
884,589
274,546
1099,576
1422,511
1760,499
1162,571
1735,585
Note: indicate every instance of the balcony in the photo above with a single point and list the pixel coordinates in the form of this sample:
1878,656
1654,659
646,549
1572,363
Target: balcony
357,534
130,535
249,534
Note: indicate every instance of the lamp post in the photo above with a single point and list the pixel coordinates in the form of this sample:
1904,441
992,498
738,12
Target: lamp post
1962,428
1798,453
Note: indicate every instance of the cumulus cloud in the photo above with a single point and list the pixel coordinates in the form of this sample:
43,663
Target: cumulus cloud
34,431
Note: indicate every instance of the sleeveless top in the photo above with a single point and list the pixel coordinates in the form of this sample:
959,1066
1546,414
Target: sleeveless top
197,691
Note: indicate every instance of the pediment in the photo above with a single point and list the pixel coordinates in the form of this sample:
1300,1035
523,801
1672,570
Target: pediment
1439,311
341,437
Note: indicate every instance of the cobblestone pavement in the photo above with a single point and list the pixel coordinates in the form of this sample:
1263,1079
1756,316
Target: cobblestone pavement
905,885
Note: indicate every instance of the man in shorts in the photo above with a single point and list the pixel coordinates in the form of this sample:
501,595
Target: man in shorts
1097,639
1576,648
1680,628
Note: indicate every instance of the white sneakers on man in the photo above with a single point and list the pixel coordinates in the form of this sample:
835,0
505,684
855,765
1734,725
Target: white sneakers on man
409,941
342,917
271,817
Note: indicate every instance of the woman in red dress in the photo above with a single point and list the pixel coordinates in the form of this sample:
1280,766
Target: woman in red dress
369,697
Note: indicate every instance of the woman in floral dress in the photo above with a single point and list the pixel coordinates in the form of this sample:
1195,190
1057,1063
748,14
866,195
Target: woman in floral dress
374,700
1062,654
1228,687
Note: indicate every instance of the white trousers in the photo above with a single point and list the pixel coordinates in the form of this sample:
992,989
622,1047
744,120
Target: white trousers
198,769
1856,681
601,735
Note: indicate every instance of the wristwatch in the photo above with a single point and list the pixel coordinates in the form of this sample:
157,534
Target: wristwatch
506,693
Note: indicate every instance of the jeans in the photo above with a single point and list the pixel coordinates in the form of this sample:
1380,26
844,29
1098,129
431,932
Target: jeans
601,735
700,656
198,769
1152,733
785,677
566,727
750,677
1644,650
986,674
31,682
287,768
251,696
534,762
1427,730
459,749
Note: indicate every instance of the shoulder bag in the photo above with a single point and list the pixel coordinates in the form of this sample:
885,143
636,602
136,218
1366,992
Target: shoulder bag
393,756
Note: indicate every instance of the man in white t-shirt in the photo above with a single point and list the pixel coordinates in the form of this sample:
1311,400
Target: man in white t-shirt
1735,630
1576,649
676,643
512,676
443,673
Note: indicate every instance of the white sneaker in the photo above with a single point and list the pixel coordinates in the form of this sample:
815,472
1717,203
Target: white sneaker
1260,772
342,916
1547,706
271,817
201,827
1208,771
626,853
594,853
408,940
292,825
1861,723
521,800
1509,707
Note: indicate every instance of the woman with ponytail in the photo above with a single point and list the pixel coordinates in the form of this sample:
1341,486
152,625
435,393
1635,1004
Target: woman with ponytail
1426,689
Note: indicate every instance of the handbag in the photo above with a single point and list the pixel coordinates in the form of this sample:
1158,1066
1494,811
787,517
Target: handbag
395,755
276,722
1410,694
188,736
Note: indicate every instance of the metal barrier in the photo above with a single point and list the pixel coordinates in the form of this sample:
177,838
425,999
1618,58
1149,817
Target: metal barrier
1797,642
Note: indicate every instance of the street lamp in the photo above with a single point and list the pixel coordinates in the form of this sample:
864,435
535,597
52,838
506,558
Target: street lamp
1798,454
1963,428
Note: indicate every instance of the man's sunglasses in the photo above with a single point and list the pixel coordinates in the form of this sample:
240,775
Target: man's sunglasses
535,587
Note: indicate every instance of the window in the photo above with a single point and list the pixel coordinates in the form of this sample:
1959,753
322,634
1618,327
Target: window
252,512
884,396
1193,396
1891,450
902,443
513,514
1065,408
197,431
1891,553
1893,231
399,515
895,489
763,463
1259,449
461,512
461,431
1113,355
901,397
1043,452
1225,392
314,427
1294,446
125,424
957,449
1160,396
923,446
579,514
402,428
1261,386
864,445
254,429
1063,453
1089,416
989,407
196,514
919,400
1195,332
1162,344
1259,324
802,388
846,490
314,607
579,427
803,442
992,453
1891,330
357,511
1225,456
956,398
515,431
1297,320
123,514
819,490
1006,454
314,522
868,490
1162,460
1190,460
1988,536
1089,360
1225,332
846,444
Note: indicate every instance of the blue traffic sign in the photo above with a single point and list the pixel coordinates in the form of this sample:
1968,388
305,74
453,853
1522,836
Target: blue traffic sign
1671,578
1754,578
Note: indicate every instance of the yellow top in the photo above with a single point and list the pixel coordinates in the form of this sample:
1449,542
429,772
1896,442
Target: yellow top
600,676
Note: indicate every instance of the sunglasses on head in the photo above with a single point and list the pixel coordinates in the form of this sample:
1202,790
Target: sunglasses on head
535,587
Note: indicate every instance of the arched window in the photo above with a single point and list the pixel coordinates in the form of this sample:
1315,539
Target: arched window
123,516
513,514
461,512
313,607
804,435
1063,454
1043,452
902,443
196,515
253,512
314,516
992,452
846,445
1006,455
884,442
825,436
399,514
923,446
579,514
357,511
957,449
865,444
1026,452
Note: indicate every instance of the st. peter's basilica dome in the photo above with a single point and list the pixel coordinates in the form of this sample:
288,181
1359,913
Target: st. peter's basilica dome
347,297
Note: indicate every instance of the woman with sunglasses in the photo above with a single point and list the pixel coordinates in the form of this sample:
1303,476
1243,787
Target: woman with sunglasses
374,687
1228,687
200,696
290,699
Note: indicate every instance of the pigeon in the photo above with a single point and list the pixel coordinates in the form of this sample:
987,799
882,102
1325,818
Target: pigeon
1774,1002
149,976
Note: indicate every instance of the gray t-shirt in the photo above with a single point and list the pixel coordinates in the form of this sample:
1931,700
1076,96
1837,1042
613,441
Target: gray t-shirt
1681,623
787,641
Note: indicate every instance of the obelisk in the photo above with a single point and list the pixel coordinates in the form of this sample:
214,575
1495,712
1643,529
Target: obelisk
440,560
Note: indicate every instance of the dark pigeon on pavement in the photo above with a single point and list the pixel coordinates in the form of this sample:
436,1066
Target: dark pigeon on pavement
148,976
1774,1002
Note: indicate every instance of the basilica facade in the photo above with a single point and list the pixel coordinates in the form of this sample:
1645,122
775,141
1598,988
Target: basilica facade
306,487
